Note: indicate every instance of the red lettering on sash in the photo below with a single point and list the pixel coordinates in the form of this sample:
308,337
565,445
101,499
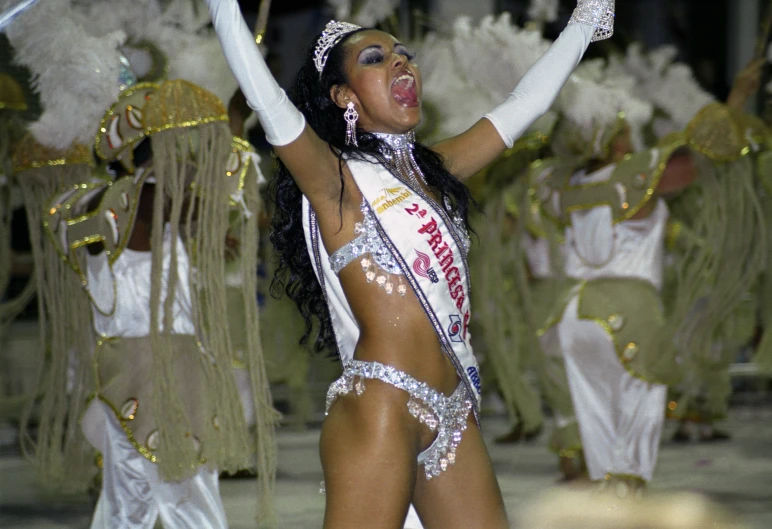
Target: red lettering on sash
460,299
444,254
441,250
429,227
435,241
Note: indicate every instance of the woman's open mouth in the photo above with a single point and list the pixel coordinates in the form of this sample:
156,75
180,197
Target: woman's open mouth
403,88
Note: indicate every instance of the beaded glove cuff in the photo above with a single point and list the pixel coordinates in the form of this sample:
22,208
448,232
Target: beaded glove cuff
598,14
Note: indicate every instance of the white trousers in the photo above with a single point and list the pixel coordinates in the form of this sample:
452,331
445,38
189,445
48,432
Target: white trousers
133,495
412,521
620,416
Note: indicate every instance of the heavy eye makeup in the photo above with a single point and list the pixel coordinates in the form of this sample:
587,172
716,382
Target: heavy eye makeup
375,55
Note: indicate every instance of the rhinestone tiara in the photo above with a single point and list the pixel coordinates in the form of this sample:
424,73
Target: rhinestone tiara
333,32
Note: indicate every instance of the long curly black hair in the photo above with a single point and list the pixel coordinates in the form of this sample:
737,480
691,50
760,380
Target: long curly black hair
294,275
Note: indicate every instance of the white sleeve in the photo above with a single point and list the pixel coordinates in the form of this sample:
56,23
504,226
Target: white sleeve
282,122
540,86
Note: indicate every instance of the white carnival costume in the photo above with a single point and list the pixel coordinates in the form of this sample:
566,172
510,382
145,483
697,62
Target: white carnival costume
405,233
163,414
165,418
131,479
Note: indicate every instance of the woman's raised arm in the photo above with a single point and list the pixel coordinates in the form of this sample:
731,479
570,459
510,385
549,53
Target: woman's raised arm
307,157
471,151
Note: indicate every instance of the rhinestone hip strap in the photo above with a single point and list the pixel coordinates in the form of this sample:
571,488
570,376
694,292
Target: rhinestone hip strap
445,415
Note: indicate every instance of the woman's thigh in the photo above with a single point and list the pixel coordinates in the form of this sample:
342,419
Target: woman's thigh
467,495
369,452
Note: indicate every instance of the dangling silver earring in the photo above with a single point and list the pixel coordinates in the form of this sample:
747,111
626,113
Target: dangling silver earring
351,116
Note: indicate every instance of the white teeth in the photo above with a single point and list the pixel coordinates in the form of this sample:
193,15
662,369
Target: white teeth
403,77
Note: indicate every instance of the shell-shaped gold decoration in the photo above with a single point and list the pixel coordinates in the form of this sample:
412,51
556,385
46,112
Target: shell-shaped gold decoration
234,163
630,351
129,409
123,124
29,154
11,94
134,117
197,445
152,440
181,104
616,322
640,181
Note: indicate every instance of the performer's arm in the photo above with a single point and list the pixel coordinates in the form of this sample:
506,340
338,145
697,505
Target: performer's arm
238,112
471,151
679,174
307,157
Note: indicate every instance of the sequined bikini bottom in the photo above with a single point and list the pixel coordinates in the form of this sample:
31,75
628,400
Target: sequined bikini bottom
447,416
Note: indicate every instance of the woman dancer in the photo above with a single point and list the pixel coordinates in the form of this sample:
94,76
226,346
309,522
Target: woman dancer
394,301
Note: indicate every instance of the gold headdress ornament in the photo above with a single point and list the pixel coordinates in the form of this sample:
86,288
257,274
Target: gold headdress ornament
123,125
149,108
181,104
29,154
724,134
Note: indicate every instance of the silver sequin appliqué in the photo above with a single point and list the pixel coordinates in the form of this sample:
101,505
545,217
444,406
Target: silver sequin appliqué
445,415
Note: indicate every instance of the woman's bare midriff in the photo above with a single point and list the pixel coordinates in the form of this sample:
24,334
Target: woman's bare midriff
395,330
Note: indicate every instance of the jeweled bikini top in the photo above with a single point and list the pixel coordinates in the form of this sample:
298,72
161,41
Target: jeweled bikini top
377,261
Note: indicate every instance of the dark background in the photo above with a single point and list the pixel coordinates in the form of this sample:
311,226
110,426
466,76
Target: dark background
701,29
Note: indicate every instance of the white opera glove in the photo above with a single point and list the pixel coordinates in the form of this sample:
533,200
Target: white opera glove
537,90
282,122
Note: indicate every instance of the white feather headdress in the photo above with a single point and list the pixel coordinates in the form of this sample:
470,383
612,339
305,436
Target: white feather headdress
179,28
76,60
368,15
594,97
475,68
544,10
670,86
75,72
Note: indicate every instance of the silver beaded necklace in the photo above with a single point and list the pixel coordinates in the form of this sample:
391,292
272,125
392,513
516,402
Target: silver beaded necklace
399,156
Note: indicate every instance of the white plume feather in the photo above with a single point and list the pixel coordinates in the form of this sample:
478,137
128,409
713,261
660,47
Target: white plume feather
475,68
594,96
670,86
342,9
179,29
368,15
75,73
544,10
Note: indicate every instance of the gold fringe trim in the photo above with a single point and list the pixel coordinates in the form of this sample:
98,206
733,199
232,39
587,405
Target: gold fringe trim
29,154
